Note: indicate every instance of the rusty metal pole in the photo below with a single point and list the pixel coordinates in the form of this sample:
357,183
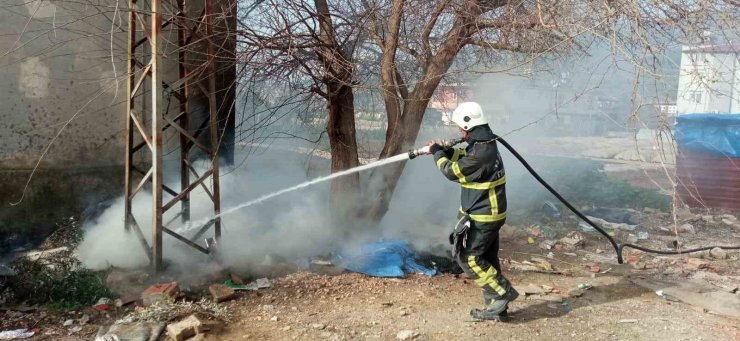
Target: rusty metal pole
129,111
215,135
184,111
157,112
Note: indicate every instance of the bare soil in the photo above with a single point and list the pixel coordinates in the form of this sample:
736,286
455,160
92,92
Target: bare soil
311,306
307,306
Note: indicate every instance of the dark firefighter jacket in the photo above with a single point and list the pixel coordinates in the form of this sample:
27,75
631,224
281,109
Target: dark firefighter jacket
480,171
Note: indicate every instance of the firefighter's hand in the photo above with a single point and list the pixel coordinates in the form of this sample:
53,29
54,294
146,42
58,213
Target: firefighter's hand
433,146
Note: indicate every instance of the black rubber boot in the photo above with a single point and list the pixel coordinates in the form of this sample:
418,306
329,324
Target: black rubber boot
486,315
495,308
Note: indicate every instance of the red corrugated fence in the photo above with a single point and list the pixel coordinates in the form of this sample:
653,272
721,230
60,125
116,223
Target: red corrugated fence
706,180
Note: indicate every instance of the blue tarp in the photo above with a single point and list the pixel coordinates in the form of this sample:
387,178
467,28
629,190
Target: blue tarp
393,258
717,134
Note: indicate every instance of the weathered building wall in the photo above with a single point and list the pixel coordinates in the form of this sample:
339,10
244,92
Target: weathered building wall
57,76
63,68
55,66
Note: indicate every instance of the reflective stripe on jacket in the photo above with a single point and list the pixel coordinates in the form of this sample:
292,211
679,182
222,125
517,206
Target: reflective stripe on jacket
480,172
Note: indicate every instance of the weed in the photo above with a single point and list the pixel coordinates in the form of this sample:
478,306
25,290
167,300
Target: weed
57,279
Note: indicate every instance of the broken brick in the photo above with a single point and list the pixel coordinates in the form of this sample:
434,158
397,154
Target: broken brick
696,264
221,292
191,326
184,329
633,259
160,293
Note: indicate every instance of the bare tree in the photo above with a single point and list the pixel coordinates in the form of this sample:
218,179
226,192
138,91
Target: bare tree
404,49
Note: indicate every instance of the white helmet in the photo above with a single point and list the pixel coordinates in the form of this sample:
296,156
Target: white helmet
468,115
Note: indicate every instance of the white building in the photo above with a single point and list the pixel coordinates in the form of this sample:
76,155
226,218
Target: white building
709,80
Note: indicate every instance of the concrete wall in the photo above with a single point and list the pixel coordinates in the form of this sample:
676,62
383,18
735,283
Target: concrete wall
63,79
55,65
57,77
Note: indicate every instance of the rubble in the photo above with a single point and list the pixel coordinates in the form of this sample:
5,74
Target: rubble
184,329
695,264
572,240
576,293
614,215
686,228
531,289
191,326
718,253
547,244
546,298
221,292
612,226
160,293
260,283
162,312
407,335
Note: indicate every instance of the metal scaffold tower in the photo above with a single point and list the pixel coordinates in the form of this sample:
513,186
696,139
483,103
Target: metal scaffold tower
147,60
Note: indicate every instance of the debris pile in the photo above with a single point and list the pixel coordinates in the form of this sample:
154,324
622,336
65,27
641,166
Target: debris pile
165,312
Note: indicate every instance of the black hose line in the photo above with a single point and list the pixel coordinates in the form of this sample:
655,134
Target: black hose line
618,248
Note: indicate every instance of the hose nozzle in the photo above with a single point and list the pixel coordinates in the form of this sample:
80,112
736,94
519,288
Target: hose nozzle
425,150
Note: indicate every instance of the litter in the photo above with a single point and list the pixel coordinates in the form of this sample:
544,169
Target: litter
584,227
548,232
260,283
613,215
551,210
16,334
130,331
612,226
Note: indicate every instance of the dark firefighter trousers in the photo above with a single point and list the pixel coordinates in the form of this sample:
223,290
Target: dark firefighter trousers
478,257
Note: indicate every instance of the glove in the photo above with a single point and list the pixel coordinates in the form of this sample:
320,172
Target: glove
434,147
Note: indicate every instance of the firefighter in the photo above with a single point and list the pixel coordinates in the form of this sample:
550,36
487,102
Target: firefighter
479,170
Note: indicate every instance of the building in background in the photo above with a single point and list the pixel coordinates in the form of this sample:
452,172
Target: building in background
445,100
709,80
708,125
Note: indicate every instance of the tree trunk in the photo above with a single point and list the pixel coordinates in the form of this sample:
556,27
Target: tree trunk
343,142
341,125
383,181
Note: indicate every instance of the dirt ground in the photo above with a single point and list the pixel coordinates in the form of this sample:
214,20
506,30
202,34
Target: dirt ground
307,306
312,306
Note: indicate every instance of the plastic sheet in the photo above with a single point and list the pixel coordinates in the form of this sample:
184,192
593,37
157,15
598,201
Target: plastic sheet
717,134
383,259
16,334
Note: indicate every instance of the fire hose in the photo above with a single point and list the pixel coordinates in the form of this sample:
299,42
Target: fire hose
618,248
